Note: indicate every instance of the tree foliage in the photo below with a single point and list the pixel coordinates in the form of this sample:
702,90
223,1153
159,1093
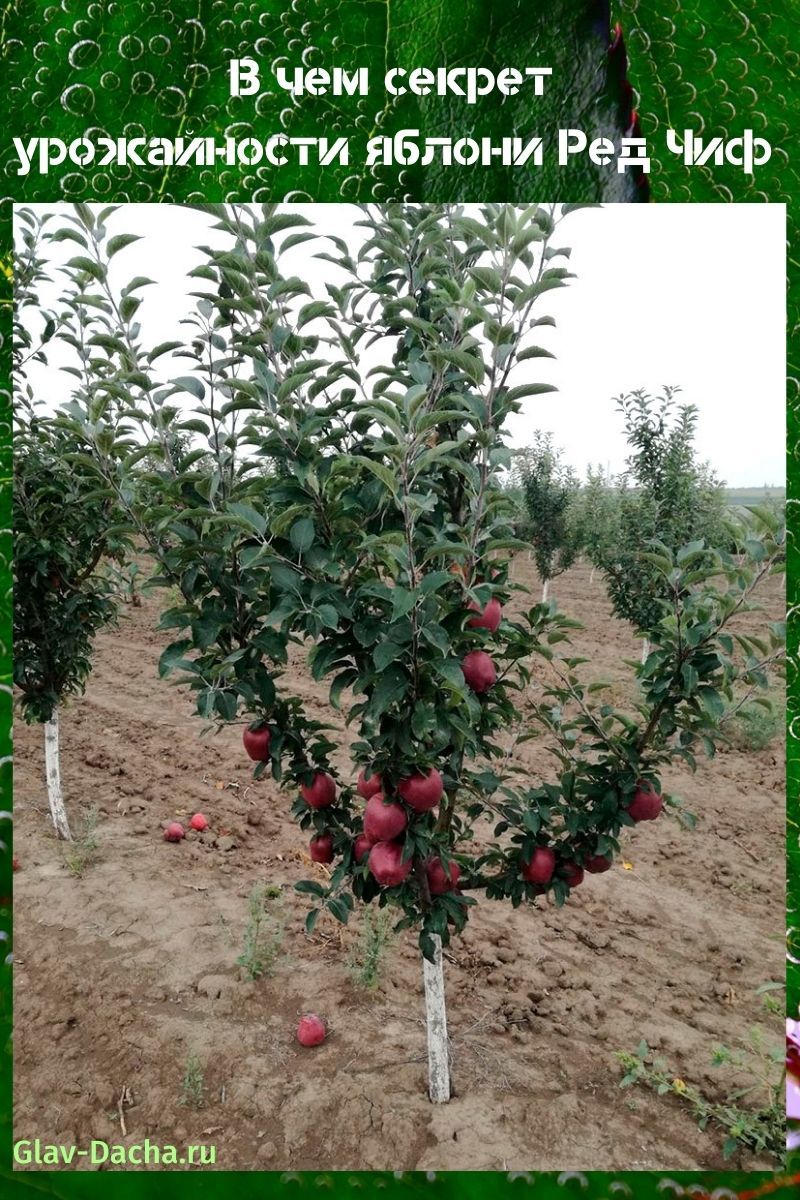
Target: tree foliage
666,493
66,516
549,488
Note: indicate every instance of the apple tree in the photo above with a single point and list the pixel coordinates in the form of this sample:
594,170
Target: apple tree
594,516
549,488
347,499
665,493
66,517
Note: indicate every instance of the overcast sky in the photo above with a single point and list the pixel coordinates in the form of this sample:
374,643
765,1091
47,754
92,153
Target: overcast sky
692,295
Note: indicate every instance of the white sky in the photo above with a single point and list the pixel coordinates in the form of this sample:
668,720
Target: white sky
687,294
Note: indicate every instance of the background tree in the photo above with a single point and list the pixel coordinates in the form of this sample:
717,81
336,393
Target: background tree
664,494
594,516
381,540
549,488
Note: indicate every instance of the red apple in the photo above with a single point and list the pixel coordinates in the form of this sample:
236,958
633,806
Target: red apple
646,804
311,1030
541,866
383,821
361,848
596,864
422,792
573,874
488,617
320,792
368,787
174,832
256,743
439,880
199,822
321,848
385,863
478,671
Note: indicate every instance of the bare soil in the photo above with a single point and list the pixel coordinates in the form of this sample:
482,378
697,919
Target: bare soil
125,970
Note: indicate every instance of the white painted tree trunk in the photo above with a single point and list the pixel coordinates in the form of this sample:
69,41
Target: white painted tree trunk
545,590
436,1017
645,650
53,773
591,575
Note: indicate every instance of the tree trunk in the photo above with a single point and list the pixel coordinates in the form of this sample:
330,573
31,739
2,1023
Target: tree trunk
545,590
436,1017
53,773
591,575
645,650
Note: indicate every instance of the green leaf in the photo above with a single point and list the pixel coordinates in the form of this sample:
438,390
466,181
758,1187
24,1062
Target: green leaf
301,535
379,471
392,684
120,241
249,515
530,389
309,887
89,266
188,383
385,653
534,352
128,306
173,656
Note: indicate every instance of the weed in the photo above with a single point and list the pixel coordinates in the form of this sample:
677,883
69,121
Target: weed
368,952
770,1003
225,927
755,727
79,853
264,931
192,1085
760,1128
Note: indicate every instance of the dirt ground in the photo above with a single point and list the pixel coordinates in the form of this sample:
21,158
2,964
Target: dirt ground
125,971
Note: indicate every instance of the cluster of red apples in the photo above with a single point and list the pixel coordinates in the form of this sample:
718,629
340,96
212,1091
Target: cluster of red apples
386,818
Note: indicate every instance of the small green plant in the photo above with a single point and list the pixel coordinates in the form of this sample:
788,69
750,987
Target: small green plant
769,1002
264,931
760,1127
369,951
755,726
192,1085
225,928
81,849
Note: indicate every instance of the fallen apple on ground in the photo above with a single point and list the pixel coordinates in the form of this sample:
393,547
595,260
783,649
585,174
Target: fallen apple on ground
311,1030
199,822
174,832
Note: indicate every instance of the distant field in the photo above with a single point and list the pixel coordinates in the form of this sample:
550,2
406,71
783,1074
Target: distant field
754,495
